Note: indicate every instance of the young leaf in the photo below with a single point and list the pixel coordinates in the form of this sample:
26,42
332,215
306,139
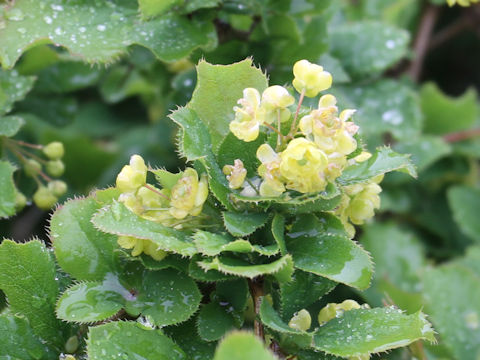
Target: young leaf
240,346
27,276
18,341
386,45
218,89
117,219
243,224
382,161
367,331
130,340
7,190
465,204
455,313
81,250
98,32
333,256
165,297
214,321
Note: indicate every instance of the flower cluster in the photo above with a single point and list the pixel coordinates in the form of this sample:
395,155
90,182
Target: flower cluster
170,206
314,151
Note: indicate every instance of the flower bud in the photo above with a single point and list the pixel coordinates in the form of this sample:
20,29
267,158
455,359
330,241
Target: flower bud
72,344
20,201
32,167
57,187
236,174
132,176
327,313
188,195
310,78
248,118
54,150
55,168
44,199
301,320
277,97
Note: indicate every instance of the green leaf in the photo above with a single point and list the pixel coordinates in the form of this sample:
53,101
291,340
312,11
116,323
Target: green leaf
213,244
195,144
117,219
331,255
368,331
334,67
98,32
193,5
7,189
10,125
27,276
278,232
13,87
243,224
304,289
382,161
425,150
455,313
81,250
218,89
242,268
186,336
214,321
130,340
164,297
386,45
235,292
471,260
17,340
151,8
439,110
465,204
240,346
199,274
165,178
272,320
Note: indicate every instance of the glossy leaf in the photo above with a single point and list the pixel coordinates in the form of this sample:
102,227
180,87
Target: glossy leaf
382,161
218,89
117,219
27,276
98,32
200,274
18,341
214,321
240,346
234,292
367,331
278,232
465,204
273,321
243,224
7,189
10,125
130,340
425,150
151,8
333,256
386,45
13,87
454,313
233,148
81,250
164,297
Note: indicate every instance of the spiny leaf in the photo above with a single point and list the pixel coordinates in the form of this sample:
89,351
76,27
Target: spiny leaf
367,331
214,321
81,250
13,87
328,254
10,125
382,161
117,219
465,204
200,274
130,340
97,31
243,224
240,346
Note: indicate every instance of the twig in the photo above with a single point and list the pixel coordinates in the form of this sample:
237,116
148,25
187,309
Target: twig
422,40
151,188
462,135
293,129
256,290
449,32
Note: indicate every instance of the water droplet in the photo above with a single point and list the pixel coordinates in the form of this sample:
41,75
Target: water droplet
15,15
56,7
82,29
101,27
58,31
390,44
22,30
48,19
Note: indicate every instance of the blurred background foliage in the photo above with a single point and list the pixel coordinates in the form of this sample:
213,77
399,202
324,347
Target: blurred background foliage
410,67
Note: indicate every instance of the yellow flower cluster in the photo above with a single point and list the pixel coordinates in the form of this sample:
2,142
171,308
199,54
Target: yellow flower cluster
313,153
166,206
464,3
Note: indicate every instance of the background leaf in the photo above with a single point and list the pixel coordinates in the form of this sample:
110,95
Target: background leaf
242,345
7,189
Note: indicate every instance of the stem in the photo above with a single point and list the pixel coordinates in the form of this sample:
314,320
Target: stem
421,45
449,32
462,135
151,188
256,290
273,129
253,186
33,146
293,129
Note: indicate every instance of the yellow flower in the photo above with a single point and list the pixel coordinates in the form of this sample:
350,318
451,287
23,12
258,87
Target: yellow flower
330,311
141,245
248,118
132,176
303,165
188,194
275,100
310,78
363,204
269,170
235,174
462,2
